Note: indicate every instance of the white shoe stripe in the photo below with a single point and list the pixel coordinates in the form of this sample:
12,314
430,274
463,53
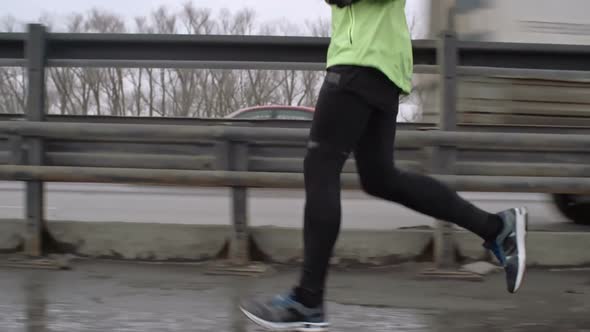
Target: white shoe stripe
284,327
521,230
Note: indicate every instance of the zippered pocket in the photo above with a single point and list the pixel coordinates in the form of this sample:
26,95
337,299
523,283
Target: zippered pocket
351,27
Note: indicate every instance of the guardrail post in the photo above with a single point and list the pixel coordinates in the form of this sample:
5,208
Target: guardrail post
239,249
443,158
233,156
17,148
35,53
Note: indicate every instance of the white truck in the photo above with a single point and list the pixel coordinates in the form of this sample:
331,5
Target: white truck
562,102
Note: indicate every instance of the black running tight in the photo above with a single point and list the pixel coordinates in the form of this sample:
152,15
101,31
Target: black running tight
356,113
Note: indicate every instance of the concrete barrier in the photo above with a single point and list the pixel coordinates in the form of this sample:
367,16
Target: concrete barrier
286,244
175,242
11,235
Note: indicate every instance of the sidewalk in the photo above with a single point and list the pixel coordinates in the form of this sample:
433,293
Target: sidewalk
129,297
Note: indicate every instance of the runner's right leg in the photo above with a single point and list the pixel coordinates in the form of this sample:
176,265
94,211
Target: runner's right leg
504,233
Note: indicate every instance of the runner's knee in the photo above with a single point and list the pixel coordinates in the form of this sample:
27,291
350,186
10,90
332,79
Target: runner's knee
323,159
380,182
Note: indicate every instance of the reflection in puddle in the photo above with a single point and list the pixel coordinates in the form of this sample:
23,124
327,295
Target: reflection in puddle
358,318
54,302
36,303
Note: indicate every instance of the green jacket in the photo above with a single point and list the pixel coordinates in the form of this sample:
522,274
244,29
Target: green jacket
373,33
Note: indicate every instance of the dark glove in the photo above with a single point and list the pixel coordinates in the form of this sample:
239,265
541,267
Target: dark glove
341,3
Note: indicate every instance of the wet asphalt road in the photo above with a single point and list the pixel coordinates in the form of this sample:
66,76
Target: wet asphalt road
125,297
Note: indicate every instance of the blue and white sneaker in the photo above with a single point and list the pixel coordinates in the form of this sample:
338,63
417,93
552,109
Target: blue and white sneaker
510,246
284,313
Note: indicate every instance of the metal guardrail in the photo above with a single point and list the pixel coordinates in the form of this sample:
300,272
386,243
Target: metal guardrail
191,134
194,51
223,153
282,150
249,179
244,52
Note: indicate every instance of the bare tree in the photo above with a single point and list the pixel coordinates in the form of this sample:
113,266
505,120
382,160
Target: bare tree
111,80
62,80
289,81
13,88
136,78
168,91
82,93
62,83
9,23
13,80
143,26
165,23
311,80
196,21
258,86
228,90
187,84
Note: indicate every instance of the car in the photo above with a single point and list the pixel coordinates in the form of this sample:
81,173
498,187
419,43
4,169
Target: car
273,112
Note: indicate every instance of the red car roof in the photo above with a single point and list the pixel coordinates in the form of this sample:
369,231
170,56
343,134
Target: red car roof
287,107
263,107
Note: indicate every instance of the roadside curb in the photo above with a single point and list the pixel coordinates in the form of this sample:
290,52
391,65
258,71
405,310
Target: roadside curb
174,242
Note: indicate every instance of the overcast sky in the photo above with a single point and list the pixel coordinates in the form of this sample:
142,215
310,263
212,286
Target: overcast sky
268,9
297,11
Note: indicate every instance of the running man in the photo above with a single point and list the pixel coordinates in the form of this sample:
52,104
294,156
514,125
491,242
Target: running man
369,66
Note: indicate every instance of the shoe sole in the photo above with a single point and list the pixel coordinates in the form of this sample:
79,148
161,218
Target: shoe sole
521,235
286,327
